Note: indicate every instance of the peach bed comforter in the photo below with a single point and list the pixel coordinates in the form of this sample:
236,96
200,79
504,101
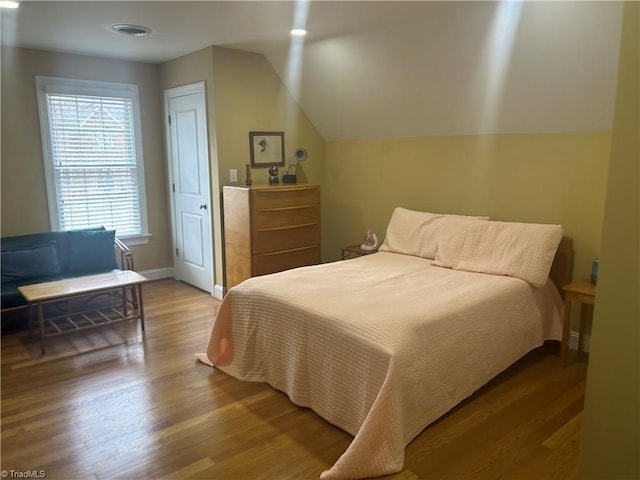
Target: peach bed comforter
380,346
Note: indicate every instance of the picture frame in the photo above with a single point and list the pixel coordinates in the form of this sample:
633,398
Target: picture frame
267,149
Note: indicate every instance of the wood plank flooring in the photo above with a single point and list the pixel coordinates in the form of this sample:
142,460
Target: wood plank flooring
111,403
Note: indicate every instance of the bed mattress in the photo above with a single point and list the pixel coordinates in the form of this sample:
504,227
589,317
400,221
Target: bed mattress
381,345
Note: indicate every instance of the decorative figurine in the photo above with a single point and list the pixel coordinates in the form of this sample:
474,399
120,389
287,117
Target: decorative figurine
370,241
273,175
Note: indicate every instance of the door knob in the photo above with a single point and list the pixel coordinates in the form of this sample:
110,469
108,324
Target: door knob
203,206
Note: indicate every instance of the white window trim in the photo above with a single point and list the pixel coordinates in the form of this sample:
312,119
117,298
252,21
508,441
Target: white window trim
46,85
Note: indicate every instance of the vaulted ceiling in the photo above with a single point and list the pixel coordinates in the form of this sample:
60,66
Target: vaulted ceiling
376,69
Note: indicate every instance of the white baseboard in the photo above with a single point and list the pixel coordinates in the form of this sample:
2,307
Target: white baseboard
218,291
157,273
160,273
573,341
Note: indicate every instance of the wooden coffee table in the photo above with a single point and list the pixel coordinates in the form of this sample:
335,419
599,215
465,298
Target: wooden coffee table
120,282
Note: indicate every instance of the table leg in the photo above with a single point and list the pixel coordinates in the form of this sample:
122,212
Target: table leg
585,310
124,301
140,305
30,318
565,331
41,322
134,297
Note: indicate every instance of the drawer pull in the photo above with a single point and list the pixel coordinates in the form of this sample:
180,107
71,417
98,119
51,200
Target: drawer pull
280,190
288,227
282,252
284,209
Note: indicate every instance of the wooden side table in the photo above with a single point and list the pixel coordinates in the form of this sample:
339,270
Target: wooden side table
353,251
583,292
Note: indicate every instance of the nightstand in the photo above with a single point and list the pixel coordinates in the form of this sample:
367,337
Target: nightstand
353,251
584,293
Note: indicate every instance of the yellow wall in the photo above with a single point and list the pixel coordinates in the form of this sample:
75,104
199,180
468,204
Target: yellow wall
243,94
610,446
24,199
555,178
249,96
545,178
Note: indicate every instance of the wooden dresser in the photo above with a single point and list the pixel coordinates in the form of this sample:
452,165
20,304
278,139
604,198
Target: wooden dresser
268,229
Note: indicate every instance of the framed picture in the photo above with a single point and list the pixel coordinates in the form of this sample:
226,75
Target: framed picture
267,149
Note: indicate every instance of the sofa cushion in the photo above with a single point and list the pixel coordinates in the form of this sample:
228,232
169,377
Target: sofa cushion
29,262
34,239
92,250
11,297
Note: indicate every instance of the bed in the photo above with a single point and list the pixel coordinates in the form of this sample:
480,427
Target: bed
383,345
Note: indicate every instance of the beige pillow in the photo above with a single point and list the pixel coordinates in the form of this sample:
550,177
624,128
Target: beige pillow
522,250
417,233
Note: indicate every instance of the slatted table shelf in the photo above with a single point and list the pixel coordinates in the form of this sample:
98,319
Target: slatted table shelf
126,285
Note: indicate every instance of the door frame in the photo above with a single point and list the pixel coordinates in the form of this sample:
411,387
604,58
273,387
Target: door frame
169,93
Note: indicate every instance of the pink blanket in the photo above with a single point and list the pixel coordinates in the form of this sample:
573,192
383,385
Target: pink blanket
380,346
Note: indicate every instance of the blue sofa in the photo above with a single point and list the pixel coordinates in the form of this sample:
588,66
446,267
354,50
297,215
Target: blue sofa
48,256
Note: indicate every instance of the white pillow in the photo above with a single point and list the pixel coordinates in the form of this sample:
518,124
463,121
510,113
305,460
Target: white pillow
522,250
417,233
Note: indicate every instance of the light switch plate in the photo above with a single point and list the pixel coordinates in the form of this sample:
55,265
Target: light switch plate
233,175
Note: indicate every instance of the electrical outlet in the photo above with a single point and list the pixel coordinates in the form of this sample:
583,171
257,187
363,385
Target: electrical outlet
233,175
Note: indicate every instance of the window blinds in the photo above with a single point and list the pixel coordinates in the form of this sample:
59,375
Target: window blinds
93,150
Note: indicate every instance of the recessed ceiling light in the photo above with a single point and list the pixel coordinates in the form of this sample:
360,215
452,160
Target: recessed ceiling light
7,4
133,30
298,32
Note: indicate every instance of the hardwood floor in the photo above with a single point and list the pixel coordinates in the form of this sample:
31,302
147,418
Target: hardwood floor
112,403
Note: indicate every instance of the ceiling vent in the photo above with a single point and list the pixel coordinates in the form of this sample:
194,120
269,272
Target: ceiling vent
132,30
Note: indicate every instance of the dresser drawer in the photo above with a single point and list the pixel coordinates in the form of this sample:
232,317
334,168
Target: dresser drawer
285,260
284,197
285,217
284,238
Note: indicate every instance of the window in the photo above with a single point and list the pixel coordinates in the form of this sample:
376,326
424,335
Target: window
92,152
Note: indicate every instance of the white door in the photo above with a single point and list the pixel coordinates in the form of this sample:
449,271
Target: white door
186,127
